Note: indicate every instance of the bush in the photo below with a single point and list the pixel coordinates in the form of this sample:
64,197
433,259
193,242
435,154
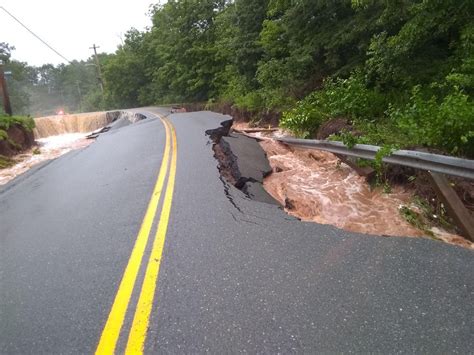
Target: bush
446,123
352,99
252,101
307,116
3,135
7,121
348,98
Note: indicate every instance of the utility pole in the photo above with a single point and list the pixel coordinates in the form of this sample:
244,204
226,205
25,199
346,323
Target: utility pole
80,93
97,64
3,90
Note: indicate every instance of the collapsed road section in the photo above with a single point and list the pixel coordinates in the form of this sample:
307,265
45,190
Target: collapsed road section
241,161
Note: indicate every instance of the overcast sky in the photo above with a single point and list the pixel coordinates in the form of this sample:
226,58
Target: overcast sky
69,26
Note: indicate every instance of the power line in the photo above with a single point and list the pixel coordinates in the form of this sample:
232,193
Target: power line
34,34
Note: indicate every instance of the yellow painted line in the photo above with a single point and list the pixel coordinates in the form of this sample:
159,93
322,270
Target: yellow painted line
138,332
111,332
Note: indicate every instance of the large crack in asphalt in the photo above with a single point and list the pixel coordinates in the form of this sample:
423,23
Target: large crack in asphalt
241,163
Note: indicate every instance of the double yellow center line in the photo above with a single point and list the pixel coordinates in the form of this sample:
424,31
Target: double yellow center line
113,326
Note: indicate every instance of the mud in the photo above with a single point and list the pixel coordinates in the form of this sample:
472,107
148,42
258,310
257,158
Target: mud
19,139
315,186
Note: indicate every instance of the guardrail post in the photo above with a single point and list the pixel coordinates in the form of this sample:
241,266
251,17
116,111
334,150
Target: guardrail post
454,206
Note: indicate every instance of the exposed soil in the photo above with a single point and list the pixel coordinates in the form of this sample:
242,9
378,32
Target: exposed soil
316,186
19,139
224,159
336,125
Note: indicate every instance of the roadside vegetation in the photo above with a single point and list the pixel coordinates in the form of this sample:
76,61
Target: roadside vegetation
8,121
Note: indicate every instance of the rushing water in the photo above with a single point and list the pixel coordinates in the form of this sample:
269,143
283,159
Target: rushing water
48,148
74,123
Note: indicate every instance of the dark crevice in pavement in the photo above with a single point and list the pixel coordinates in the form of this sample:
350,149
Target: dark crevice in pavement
217,133
228,194
238,220
241,163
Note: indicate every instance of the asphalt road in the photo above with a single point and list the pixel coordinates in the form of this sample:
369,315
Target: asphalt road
235,275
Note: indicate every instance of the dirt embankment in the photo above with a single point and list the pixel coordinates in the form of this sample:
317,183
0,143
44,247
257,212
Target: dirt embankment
19,139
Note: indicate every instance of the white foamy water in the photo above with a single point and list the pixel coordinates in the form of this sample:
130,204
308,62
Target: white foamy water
50,148
63,141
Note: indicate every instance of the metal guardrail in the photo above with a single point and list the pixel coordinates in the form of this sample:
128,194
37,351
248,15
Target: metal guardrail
414,159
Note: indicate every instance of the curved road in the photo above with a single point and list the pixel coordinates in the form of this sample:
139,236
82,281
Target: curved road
91,260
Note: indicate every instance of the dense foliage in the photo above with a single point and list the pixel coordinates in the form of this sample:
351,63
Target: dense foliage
401,71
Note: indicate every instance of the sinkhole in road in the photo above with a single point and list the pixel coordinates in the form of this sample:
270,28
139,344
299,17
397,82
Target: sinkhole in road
315,186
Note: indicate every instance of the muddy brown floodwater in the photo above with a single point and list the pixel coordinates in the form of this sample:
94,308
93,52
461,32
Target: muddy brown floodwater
73,123
316,186
48,148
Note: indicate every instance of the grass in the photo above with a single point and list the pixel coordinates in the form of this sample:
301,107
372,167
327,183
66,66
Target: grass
423,216
8,121
5,162
3,135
